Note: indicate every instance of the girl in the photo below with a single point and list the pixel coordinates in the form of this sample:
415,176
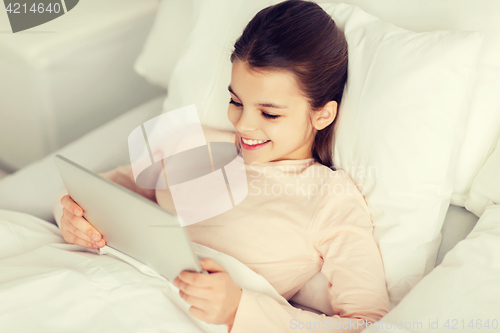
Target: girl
301,215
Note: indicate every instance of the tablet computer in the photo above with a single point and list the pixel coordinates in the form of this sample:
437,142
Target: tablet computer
130,223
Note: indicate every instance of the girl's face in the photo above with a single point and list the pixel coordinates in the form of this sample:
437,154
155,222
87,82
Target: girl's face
271,117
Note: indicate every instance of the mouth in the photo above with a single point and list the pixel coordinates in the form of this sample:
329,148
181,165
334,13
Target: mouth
251,144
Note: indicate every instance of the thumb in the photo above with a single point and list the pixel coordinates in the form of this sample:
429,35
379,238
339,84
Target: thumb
211,265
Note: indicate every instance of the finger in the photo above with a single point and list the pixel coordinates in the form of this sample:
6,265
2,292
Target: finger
211,265
100,243
196,279
67,225
73,239
85,227
191,290
72,206
200,303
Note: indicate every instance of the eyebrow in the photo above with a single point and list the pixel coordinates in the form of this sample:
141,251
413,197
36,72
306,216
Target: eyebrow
267,105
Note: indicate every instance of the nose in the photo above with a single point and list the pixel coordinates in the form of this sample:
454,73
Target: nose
247,122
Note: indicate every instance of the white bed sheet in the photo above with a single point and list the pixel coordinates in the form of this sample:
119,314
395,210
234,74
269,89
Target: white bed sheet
61,287
462,294
47,285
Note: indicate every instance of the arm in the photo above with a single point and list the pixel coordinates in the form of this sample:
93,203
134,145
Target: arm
342,234
124,176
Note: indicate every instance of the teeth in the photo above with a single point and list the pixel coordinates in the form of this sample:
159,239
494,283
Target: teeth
253,142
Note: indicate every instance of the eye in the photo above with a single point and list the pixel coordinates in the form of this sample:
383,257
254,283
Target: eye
269,116
235,103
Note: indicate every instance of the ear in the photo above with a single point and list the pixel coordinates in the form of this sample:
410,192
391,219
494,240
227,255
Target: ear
325,116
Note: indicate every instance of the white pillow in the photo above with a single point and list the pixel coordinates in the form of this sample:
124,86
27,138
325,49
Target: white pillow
203,72
399,131
394,67
175,20
463,292
167,40
465,15
485,189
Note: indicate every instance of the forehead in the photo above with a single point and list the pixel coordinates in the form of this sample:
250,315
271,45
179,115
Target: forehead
268,82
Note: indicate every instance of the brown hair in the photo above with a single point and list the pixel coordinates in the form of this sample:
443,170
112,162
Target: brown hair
299,36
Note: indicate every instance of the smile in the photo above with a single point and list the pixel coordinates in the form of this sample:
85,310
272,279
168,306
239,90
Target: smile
250,144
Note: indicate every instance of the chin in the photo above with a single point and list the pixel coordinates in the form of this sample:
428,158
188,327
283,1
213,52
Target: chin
249,159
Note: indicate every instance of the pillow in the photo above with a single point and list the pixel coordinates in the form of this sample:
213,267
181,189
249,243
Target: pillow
175,20
459,295
399,131
485,189
479,15
167,40
203,71
407,92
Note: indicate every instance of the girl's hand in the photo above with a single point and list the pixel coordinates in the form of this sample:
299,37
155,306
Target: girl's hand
75,229
214,297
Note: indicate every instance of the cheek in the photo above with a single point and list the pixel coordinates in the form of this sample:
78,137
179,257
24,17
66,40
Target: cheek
233,115
280,133
292,132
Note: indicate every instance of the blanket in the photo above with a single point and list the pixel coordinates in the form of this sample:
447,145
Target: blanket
48,285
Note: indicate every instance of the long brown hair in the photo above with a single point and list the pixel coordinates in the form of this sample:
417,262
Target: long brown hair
299,36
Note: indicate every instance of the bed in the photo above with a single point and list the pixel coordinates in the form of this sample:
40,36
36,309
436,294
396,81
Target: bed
450,280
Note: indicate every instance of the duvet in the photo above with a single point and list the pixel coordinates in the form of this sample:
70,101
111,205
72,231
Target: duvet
48,285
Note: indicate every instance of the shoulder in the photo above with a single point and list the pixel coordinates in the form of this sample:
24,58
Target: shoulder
337,177
336,185
342,203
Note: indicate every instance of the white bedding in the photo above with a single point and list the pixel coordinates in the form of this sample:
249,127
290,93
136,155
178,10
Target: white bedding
47,285
462,294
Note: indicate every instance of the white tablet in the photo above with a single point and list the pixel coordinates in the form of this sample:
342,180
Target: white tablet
130,223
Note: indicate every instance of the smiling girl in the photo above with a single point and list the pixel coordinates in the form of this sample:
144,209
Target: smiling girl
289,68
